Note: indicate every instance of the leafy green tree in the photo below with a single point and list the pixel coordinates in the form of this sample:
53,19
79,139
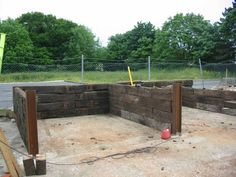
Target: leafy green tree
41,56
18,47
39,26
227,31
134,44
118,47
101,53
141,40
185,37
58,38
83,40
47,33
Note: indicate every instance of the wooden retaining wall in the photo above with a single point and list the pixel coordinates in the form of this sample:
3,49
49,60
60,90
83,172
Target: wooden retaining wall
154,107
64,101
26,118
184,83
210,100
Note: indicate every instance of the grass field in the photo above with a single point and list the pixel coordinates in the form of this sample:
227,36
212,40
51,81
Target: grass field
110,77
3,112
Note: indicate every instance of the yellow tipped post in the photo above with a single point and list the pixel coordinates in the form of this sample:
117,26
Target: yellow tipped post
2,42
130,77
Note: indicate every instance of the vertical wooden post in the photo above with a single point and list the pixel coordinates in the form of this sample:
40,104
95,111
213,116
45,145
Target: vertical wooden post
32,130
176,108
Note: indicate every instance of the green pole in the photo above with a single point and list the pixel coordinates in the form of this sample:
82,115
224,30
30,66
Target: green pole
2,42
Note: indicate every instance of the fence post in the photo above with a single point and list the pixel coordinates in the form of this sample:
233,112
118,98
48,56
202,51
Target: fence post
149,68
82,68
200,65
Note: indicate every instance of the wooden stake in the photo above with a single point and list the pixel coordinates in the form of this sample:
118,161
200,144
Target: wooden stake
29,166
10,160
40,164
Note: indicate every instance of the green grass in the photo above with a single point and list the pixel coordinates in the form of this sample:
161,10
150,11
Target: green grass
110,77
3,112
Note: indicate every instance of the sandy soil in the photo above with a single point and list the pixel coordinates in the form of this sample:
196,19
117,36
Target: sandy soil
207,146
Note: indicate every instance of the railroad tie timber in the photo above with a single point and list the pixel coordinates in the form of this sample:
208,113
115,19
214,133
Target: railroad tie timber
29,165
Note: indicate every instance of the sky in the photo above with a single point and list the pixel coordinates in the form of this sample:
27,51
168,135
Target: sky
109,17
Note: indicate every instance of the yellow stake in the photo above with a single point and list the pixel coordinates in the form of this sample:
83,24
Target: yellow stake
130,77
2,42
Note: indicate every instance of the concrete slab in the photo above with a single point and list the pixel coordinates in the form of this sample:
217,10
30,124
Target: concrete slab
207,146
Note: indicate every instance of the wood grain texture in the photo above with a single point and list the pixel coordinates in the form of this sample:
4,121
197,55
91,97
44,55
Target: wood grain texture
29,166
9,158
210,100
21,114
230,104
177,108
32,130
41,164
153,104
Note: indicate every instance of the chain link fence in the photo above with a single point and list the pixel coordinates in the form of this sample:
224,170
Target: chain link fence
152,69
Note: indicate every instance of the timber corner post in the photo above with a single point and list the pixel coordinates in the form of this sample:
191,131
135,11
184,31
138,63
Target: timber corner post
31,111
39,166
25,108
176,108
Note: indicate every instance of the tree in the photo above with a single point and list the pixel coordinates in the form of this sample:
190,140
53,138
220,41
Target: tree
135,44
41,56
101,53
83,41
58,38
118,47
185,37
18,47
141,40
227,32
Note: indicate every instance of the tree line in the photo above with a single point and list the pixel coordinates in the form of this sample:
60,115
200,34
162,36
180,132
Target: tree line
36,38
182,37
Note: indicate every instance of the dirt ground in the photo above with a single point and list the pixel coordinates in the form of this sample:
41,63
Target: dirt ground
207,146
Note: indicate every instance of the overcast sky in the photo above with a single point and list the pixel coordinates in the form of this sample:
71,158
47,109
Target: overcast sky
108,17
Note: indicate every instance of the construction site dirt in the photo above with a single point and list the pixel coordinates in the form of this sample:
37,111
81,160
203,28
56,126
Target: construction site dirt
207,146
